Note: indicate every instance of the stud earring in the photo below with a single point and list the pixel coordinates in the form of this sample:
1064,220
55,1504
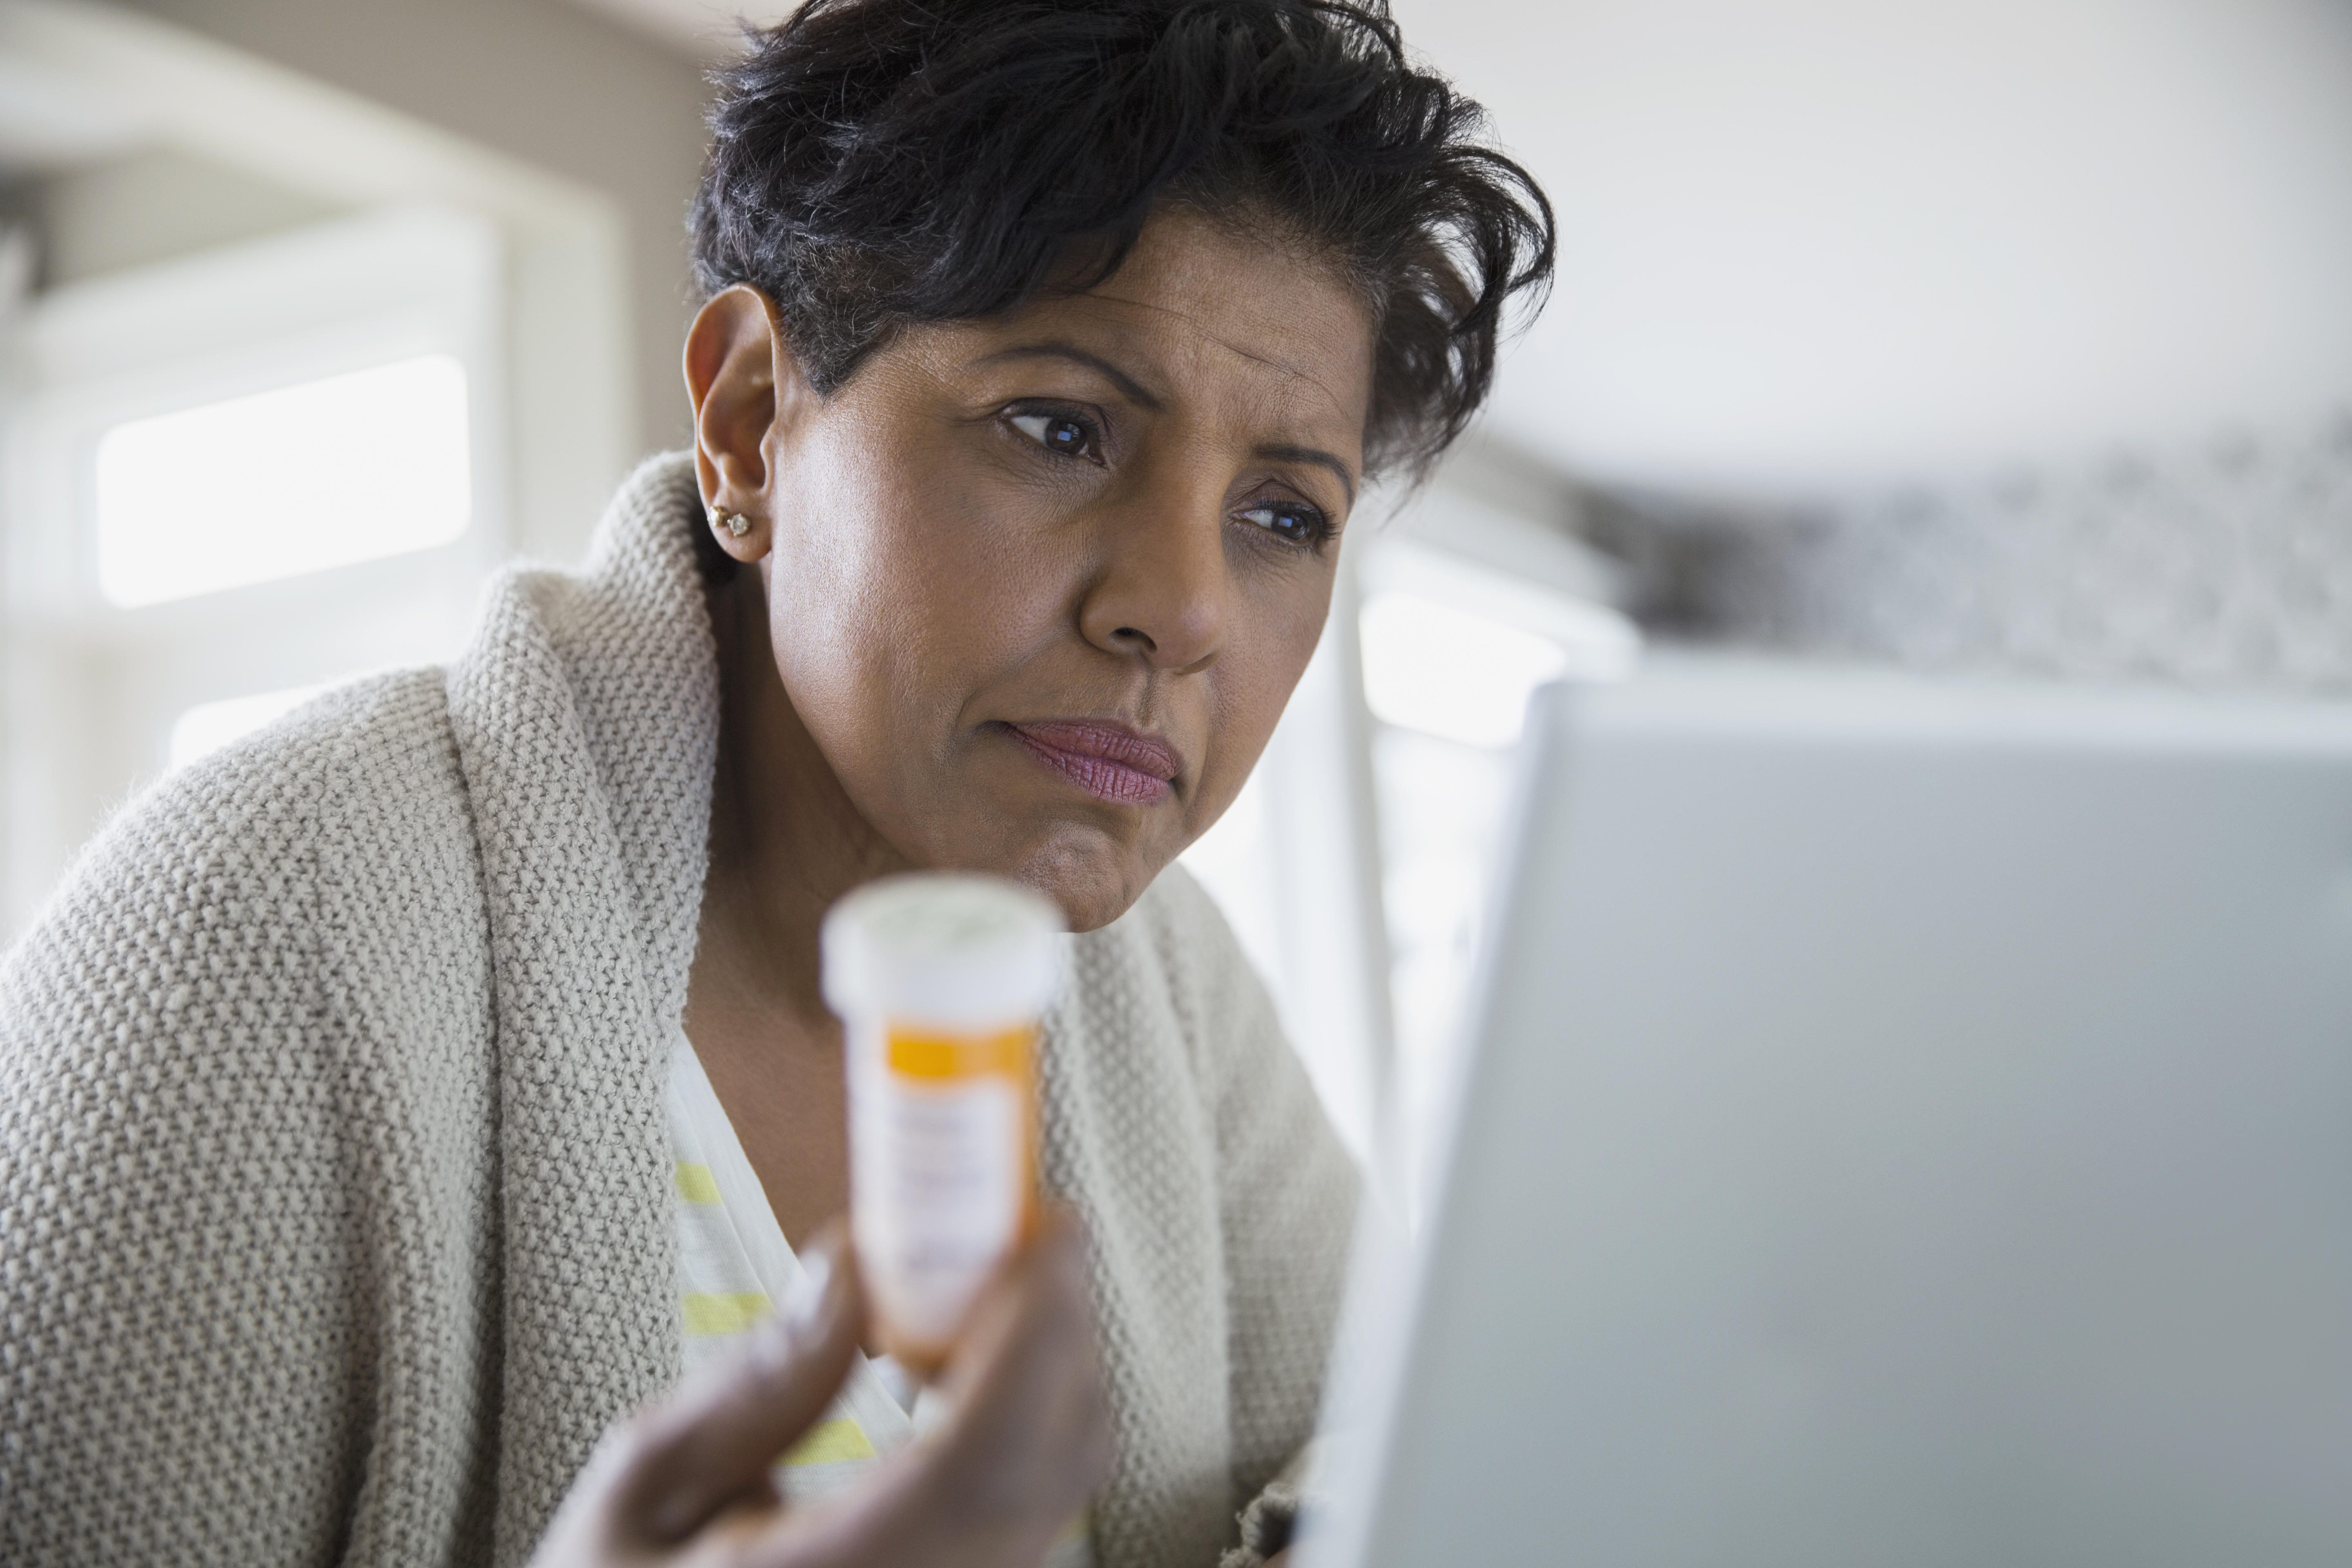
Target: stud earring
734,522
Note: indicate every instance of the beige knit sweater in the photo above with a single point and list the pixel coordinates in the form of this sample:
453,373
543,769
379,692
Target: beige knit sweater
334,1182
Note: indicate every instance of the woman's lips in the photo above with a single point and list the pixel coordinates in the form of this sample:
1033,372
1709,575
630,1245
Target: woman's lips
1107,760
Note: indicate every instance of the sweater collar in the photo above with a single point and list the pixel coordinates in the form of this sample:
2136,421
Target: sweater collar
643,666
586,715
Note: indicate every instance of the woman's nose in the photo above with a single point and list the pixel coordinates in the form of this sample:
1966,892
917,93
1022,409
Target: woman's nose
1162,587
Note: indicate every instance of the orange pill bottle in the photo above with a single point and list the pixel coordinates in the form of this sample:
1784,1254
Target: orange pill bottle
941,982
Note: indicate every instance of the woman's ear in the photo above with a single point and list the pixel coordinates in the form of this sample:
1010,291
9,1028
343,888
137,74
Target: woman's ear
744,381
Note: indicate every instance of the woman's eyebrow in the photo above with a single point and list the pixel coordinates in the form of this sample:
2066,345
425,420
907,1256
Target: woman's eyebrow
1315,455
1130,389
1127,385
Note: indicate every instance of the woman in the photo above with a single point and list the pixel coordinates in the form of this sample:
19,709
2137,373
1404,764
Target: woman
371,1092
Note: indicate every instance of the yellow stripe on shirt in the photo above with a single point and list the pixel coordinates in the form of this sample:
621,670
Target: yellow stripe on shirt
829,1443
696,1184
712,1312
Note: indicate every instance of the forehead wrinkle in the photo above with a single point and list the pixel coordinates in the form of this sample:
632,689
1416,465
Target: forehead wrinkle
1201,329
1202,332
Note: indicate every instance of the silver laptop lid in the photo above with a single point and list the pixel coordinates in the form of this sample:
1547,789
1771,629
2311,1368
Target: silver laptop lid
1906,1124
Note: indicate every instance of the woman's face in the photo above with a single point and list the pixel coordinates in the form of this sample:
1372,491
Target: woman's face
1038,587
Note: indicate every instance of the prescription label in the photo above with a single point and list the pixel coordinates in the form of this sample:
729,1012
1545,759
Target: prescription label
941,1142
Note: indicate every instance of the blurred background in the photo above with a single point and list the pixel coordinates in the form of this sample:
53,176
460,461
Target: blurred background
1999,336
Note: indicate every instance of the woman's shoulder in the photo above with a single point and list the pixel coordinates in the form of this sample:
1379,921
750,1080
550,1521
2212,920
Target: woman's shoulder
357,763
246,1062
340,817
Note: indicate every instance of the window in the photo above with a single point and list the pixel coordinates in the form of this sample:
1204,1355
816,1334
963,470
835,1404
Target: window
325,473
256,251
1447,671
233,476
1463,615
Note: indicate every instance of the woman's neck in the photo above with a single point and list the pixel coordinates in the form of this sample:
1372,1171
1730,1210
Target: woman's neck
785,841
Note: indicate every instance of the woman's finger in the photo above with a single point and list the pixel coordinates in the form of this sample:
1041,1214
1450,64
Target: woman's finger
684,1460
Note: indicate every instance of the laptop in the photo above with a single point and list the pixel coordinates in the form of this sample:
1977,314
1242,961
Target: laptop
1903,1124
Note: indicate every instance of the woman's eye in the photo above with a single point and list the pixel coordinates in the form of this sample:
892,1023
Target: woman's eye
1057,433
1289,522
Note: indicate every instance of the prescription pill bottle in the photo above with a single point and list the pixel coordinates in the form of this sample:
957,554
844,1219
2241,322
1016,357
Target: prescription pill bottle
940,980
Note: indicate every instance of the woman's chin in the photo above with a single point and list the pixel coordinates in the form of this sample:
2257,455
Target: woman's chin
1091,877
1092,858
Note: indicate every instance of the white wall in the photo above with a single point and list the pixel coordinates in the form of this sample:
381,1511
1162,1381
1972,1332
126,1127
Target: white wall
1808,244
548,83
702,29
153,205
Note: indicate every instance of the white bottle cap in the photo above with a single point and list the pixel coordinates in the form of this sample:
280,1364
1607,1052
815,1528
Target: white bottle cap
954,950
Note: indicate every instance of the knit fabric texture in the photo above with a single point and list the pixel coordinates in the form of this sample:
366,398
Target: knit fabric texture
334,1177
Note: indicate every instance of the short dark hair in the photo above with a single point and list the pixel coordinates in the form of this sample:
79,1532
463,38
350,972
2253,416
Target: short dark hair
880,162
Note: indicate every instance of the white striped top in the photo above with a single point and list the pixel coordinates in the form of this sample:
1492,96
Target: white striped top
734,1265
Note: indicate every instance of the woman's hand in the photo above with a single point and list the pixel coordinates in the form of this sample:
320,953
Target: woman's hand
1026,1441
